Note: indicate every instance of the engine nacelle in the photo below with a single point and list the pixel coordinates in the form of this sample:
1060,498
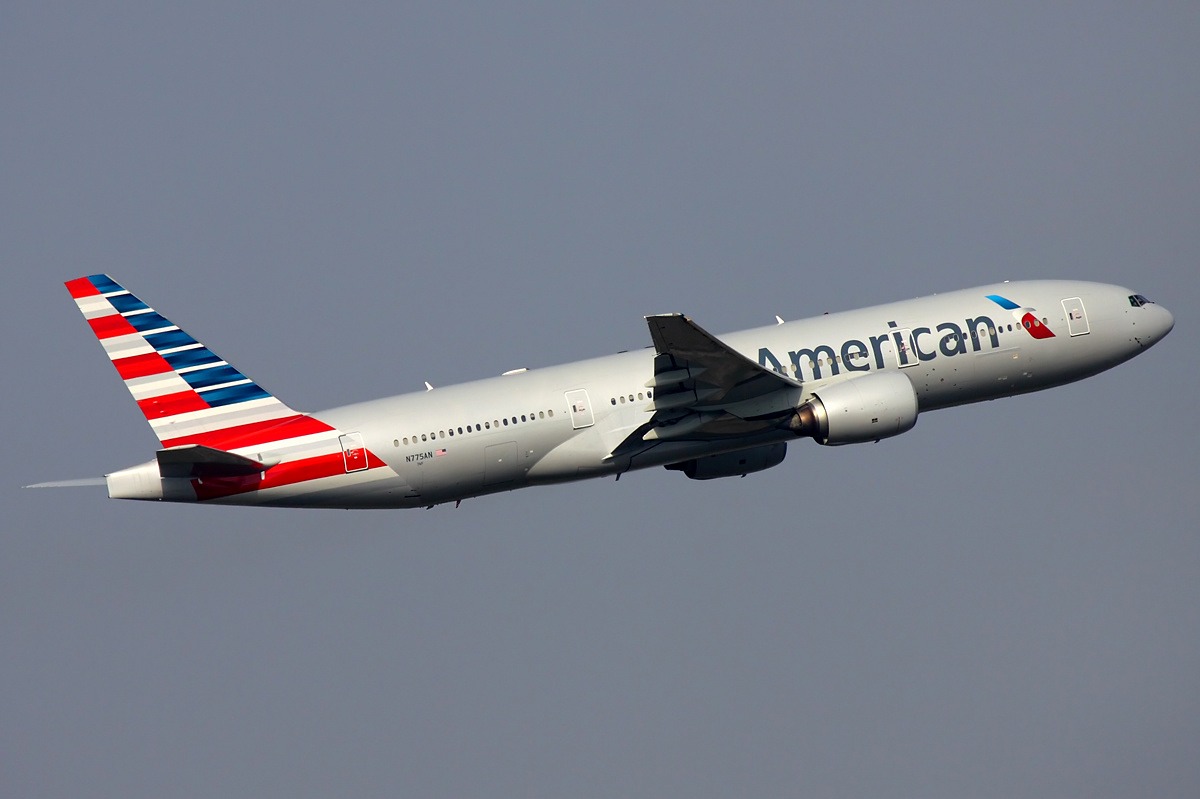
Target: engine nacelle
732,464
858,410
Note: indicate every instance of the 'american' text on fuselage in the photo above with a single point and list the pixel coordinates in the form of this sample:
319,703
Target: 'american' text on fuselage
808,363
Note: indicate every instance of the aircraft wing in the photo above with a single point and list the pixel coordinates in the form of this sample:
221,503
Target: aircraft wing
705,389
692,359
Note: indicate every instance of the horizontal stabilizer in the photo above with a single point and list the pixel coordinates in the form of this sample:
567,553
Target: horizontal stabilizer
197,461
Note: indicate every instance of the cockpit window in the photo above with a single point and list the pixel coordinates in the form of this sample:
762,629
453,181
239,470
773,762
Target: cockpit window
1137,300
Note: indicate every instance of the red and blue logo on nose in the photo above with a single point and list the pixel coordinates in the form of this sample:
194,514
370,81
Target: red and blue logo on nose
1029,320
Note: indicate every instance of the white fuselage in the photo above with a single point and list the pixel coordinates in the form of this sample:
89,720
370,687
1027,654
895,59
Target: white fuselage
563,422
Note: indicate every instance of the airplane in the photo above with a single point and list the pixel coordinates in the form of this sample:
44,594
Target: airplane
706,406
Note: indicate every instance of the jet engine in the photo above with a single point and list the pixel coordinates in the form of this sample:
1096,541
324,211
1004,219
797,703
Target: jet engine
858,410
732,464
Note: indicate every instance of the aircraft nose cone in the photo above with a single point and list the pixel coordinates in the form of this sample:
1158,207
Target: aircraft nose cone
1163,322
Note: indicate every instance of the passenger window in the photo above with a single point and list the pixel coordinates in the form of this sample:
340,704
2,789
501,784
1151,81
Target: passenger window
543,416
423,437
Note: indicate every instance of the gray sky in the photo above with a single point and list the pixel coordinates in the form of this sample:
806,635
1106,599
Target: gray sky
347,200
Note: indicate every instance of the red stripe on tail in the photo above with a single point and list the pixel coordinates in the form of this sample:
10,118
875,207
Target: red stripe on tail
281,475
253,433
290,473
172,404
149,363
81,287
110,326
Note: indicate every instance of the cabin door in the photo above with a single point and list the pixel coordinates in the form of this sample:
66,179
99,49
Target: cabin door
1077,321
581,408
354,454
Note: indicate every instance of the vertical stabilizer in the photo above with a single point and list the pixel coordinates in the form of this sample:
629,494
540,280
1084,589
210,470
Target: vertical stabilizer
187,393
